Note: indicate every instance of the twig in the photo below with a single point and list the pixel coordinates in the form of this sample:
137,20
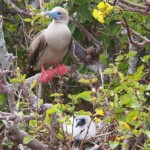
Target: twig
49,143
24,32
104,134
82,29
132,7
17,135
9,2
144,39
101,76
95,147
80,148
133,4
6,88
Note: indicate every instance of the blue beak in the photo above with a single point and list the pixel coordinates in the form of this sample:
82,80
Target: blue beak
52,14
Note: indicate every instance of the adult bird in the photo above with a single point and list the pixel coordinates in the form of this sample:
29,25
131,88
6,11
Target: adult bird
50,45
81,127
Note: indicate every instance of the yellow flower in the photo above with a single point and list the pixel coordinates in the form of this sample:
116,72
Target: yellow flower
117,138
95,13
103,10
127,126
97,119
99,112
101,19
99,15
108,6
101,5
134,118
124,124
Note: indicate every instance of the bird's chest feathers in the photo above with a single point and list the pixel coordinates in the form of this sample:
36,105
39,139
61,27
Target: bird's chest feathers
58,36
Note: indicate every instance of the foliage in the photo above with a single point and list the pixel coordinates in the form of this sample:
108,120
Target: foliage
122,100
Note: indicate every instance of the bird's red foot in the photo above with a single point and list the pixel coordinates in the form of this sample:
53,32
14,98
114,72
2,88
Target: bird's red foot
61,69
46,75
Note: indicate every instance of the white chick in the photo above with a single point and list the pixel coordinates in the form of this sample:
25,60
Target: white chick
80,126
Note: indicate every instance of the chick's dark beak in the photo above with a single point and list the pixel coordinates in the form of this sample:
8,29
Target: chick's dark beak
81,122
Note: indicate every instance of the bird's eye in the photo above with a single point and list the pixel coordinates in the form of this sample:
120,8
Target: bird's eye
59,13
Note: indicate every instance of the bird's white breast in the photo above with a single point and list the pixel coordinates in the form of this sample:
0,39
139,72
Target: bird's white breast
58,36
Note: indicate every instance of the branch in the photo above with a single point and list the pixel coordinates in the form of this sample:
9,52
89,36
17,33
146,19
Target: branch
6,88
145,41
6,59
82,29
17,135
132,7
9,2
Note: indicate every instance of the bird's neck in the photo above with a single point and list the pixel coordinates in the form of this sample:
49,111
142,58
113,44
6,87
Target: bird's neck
63,21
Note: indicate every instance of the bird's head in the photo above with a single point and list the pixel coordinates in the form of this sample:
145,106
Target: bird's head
82,120
59,14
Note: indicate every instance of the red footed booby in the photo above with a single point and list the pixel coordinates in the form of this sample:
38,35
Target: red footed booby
81,127
50,45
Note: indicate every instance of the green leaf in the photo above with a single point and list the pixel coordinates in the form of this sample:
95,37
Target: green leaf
72,27
56,95
33,84
60,136
82,112
103,58
86,95
15,80
49,113
119,58
84,81
121,76
28,20
148,134
131,115
148,119
84,16
131,54
108,71
146,58
36,17
33,123
27,139
113,144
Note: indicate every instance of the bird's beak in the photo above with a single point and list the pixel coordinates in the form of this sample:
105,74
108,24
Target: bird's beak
81,123
52,14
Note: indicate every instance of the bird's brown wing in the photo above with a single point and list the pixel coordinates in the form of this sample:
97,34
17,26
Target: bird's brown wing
36,49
